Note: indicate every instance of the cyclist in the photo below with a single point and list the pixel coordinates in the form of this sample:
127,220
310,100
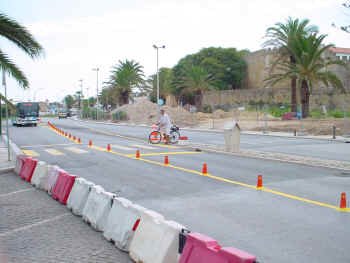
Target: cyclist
164,125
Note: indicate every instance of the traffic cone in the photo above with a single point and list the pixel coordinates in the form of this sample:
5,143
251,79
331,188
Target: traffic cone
343,201
108,147
70,136
259,185
79,141
66,134
166,160
74,138
137,154
90,143
204,169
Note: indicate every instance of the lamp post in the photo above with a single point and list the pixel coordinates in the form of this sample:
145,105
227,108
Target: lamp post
7,116
96,69
157,48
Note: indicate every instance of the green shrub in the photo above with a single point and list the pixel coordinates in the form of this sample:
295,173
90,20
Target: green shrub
317,114
207,109
120,116
336,114
277,111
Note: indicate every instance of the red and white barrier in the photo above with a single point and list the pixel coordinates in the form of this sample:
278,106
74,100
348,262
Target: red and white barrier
63,187
79,195
19,163
40,175
183,140
122,222
156,240
28,169
53,171
97,207
202,249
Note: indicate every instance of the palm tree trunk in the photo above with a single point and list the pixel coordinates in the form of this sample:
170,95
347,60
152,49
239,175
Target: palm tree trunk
198,100
293,89
305,98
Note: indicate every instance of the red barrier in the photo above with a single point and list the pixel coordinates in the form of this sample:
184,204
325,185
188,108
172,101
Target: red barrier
203,249
19,163
28,169
63,187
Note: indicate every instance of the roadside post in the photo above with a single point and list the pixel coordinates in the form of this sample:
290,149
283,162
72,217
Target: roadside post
232,135
7,117
346,124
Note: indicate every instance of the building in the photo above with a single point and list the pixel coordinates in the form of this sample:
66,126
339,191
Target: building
341,53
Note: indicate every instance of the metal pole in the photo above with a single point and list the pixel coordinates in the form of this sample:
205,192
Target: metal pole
7,117
97,93
157,78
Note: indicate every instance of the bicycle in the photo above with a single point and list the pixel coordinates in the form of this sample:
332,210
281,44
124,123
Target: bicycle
155,136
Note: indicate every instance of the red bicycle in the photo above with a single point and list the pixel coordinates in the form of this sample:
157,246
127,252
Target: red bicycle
156,137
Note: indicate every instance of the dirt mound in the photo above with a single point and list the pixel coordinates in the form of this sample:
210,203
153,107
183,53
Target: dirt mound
146,112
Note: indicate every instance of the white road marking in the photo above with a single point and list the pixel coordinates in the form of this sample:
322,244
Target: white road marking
54,152
75,150
122,147
143,146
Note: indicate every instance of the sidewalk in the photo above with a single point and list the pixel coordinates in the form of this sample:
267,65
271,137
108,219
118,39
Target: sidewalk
36,228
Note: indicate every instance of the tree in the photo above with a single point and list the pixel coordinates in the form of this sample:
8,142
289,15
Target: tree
226,65
310,67
69,101
165,84
196,81
23,39
281,36
125,77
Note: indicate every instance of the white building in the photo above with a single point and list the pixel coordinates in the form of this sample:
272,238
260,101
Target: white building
342,53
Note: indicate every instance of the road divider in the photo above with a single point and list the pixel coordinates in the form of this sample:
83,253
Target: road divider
163,237
97,207
40,175
27,169
79,195
122,222
19,163
53,171
63,186
202,249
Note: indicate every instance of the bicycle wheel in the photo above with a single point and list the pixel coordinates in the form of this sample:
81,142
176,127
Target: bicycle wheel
174,136
155,137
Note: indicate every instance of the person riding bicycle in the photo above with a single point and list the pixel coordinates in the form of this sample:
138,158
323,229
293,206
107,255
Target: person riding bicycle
164,125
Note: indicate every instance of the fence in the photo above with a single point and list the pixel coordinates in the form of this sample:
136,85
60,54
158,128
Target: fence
333,119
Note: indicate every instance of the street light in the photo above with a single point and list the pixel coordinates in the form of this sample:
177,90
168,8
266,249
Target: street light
157,48
96,69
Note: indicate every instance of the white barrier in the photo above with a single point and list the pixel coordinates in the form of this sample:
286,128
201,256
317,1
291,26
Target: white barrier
121,222
97,207
79,195
53,171
155,240
19,163
40,175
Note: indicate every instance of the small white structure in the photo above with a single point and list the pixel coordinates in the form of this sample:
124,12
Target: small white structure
341,53
232,134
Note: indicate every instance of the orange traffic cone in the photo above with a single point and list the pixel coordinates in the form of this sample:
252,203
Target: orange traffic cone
259,185
166,160
138,154
70,136
90,143
108,147
343,201
79,141
204,169
74,138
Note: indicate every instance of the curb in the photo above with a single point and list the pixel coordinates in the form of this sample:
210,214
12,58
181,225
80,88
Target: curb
342,139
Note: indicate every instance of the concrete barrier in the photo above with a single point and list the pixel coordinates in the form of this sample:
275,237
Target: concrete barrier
202,249
79,195
97,207
27,169
53,171
40,175
122,221
19,163
155,240
63,187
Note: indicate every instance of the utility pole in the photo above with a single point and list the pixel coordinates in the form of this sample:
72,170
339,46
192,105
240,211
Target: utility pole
96,69
157,48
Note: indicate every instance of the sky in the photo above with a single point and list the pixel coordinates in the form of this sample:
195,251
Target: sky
79,35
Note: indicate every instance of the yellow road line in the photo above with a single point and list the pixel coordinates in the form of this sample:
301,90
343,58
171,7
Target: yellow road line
264,189
30,153
165,153
75,150
54,152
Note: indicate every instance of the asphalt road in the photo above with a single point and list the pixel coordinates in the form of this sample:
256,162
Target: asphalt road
322,149
278,225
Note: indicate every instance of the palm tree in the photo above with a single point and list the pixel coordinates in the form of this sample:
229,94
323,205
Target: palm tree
311,67
21,37
125,77
281,36
195,81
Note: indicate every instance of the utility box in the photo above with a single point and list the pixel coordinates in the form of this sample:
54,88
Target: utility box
232,134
